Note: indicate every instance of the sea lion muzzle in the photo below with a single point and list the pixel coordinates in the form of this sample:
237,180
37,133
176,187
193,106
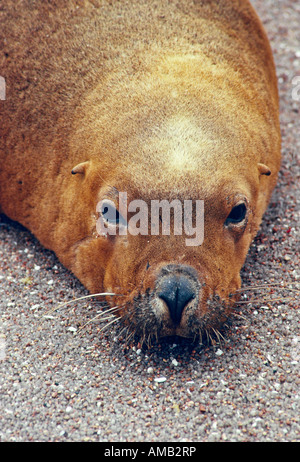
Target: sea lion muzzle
176,288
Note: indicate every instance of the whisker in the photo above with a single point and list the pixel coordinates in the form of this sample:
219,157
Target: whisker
129,336
109,310
122,331
219,335
236,315
216,334
149,341
266,286
200,335
108,314
108,324
209,338
103,328
93,320
78,299
264,300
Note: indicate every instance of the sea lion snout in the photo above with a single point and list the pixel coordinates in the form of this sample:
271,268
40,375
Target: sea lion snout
177,287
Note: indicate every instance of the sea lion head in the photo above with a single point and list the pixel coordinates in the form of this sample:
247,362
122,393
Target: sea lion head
169,282
171,250
202,164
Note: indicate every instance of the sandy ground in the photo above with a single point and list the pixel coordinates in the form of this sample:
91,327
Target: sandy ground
59,384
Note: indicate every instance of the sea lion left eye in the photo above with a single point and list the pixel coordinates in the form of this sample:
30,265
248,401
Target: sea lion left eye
237,214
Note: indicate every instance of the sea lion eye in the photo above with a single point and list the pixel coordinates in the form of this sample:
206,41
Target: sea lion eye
237,214
111,215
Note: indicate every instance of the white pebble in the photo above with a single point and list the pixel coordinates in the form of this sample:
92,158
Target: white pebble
72,329
160,379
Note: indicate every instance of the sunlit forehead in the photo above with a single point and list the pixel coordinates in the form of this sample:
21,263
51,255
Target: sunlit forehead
181,142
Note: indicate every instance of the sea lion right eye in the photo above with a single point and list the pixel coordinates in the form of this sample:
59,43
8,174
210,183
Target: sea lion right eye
111,214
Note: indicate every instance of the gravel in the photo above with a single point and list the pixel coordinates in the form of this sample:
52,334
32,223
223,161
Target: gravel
61,384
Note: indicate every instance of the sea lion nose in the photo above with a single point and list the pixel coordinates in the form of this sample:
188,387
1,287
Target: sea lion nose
176,291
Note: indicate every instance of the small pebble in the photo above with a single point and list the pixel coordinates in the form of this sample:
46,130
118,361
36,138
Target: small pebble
72,329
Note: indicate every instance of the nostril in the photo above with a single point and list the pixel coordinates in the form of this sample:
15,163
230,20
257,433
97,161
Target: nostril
176,291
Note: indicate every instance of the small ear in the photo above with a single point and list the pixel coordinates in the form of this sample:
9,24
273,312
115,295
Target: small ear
263,169
80,168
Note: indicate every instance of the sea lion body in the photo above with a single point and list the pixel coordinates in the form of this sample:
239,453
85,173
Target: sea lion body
160,100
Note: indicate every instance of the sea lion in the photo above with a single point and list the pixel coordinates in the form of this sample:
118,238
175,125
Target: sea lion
160,101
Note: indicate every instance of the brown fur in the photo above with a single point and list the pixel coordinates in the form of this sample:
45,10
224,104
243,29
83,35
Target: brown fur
161,99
